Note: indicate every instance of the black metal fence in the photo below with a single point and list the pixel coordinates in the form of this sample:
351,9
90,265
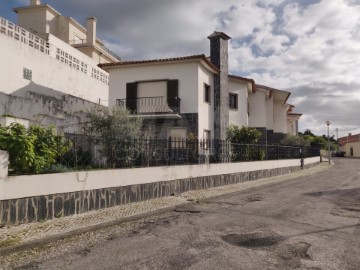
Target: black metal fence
93,152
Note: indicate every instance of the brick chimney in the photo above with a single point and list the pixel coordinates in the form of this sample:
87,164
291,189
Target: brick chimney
219,57
35,3
91,31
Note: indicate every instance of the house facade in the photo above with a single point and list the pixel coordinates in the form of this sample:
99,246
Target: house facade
350,144
173,96
197,96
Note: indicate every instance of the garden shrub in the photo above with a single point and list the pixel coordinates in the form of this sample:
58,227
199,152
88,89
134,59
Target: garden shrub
30,150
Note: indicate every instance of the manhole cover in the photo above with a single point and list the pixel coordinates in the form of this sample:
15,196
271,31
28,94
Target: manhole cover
253,240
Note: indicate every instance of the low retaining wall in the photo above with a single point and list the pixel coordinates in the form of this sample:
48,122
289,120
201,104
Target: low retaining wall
116,187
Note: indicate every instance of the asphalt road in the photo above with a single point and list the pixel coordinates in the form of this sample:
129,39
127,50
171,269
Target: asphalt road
308,222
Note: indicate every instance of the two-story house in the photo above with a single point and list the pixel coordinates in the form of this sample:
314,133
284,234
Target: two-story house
173,96
195,95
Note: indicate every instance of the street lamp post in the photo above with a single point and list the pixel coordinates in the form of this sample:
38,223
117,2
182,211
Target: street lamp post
328,124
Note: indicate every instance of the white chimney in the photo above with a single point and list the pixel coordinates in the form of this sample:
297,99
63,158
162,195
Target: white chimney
91,31
35,3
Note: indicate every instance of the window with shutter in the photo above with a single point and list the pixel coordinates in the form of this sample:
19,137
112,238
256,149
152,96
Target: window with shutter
207,93
173,94
233,101
131,97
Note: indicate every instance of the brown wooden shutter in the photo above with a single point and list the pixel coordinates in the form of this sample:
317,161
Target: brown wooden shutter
131,97
173,94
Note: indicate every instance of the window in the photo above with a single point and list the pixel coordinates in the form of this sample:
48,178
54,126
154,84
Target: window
233,101
207,93
27,74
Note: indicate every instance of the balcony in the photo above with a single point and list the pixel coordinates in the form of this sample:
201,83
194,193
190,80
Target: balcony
150,105
83,42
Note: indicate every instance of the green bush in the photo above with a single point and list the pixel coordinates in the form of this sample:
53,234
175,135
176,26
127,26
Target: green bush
30,150
243,135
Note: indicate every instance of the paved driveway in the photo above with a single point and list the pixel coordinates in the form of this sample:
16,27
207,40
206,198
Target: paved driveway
310,222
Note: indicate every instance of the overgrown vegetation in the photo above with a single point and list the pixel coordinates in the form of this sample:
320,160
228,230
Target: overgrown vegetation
31,150
243,135
310,139
242,138
117,130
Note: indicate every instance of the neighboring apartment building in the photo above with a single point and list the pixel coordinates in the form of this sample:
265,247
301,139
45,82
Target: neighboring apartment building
42,19
350,144
195,95
43,67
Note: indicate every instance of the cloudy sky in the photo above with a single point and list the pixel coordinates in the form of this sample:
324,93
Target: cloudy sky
309,47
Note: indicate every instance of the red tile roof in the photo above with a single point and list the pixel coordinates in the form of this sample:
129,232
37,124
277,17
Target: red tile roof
349,139
164,60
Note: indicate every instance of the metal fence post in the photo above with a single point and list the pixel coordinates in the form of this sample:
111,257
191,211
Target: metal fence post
169,151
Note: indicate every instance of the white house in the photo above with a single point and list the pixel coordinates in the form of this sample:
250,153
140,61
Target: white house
196,95
350,145
174,96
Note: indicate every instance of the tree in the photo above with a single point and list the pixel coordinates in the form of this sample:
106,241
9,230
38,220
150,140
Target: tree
309,133
294,140
118,131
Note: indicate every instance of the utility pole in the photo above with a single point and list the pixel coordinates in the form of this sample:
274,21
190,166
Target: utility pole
328,124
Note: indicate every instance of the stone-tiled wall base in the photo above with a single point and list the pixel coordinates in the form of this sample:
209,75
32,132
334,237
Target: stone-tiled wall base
40,208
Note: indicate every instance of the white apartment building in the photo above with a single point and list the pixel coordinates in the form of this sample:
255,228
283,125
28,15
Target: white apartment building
44,77
42,20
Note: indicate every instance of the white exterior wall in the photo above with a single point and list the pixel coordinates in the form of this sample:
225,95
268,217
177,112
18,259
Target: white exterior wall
34,18
63,29
280,117
7,121
239,117
356,149
206,110
47,71
186,73
75,31
257,115
4,164
13,187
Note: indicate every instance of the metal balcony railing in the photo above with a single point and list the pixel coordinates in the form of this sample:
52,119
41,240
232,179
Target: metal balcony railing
84,42
148,105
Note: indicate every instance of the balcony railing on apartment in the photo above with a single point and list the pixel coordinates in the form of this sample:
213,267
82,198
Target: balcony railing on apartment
150,105
84,42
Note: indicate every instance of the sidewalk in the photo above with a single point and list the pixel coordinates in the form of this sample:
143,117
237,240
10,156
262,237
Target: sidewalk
28,235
